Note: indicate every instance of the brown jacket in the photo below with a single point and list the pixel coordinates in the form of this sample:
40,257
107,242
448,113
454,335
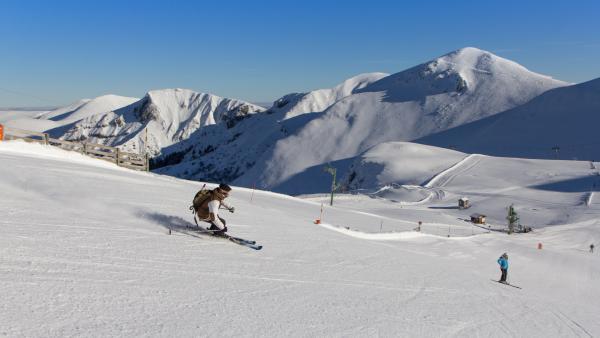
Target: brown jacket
203,212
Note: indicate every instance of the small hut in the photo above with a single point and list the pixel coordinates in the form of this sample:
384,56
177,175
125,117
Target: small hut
463,203
478,218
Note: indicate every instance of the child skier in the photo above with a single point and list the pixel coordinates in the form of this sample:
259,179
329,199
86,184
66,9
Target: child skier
503,261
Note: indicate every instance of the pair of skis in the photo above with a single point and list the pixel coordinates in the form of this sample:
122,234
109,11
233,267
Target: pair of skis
506,283
240,241
237,240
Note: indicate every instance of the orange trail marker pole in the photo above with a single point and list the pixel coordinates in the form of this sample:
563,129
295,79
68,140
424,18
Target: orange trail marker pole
321,215
318,220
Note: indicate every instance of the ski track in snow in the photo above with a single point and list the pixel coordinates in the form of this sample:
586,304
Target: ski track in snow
446,176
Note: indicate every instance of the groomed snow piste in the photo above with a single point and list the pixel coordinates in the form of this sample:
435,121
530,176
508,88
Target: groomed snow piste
85,251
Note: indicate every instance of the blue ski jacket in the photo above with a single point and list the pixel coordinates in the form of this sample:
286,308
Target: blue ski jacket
503,263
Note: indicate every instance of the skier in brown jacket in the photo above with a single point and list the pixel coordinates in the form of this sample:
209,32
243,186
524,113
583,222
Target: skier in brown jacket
208,211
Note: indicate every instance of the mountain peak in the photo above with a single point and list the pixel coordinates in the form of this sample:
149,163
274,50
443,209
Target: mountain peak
469,59
469,50
474,60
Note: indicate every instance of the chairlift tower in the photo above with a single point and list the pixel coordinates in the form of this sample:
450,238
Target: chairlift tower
556,150
333,171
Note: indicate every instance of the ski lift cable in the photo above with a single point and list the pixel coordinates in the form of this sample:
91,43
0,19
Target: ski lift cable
44,100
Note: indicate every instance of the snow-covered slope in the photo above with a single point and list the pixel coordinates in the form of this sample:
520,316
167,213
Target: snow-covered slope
463,86
390,164
398,163
85,251
567,118
71,113
318,100
24,119
168,116
545,192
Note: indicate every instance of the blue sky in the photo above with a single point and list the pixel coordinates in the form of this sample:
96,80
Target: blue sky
56,52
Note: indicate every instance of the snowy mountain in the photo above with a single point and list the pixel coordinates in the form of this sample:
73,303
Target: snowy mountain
362,112
163,117
562,123
205,137
219,153
460,87
92,249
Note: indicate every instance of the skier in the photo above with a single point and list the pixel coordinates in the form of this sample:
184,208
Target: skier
503,261
208,211
592,248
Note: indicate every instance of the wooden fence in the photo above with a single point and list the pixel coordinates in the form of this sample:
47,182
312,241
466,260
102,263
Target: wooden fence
111,154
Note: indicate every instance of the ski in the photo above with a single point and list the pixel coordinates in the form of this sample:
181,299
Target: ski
241,241
232,238
514,286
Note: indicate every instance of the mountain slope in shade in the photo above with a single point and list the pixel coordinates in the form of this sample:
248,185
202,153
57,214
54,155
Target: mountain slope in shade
162,117
457,88
385,165
567,118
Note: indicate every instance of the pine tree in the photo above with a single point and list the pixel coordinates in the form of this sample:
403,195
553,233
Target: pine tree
513,219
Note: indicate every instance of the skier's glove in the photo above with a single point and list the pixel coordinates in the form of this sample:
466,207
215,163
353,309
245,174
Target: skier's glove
231,210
